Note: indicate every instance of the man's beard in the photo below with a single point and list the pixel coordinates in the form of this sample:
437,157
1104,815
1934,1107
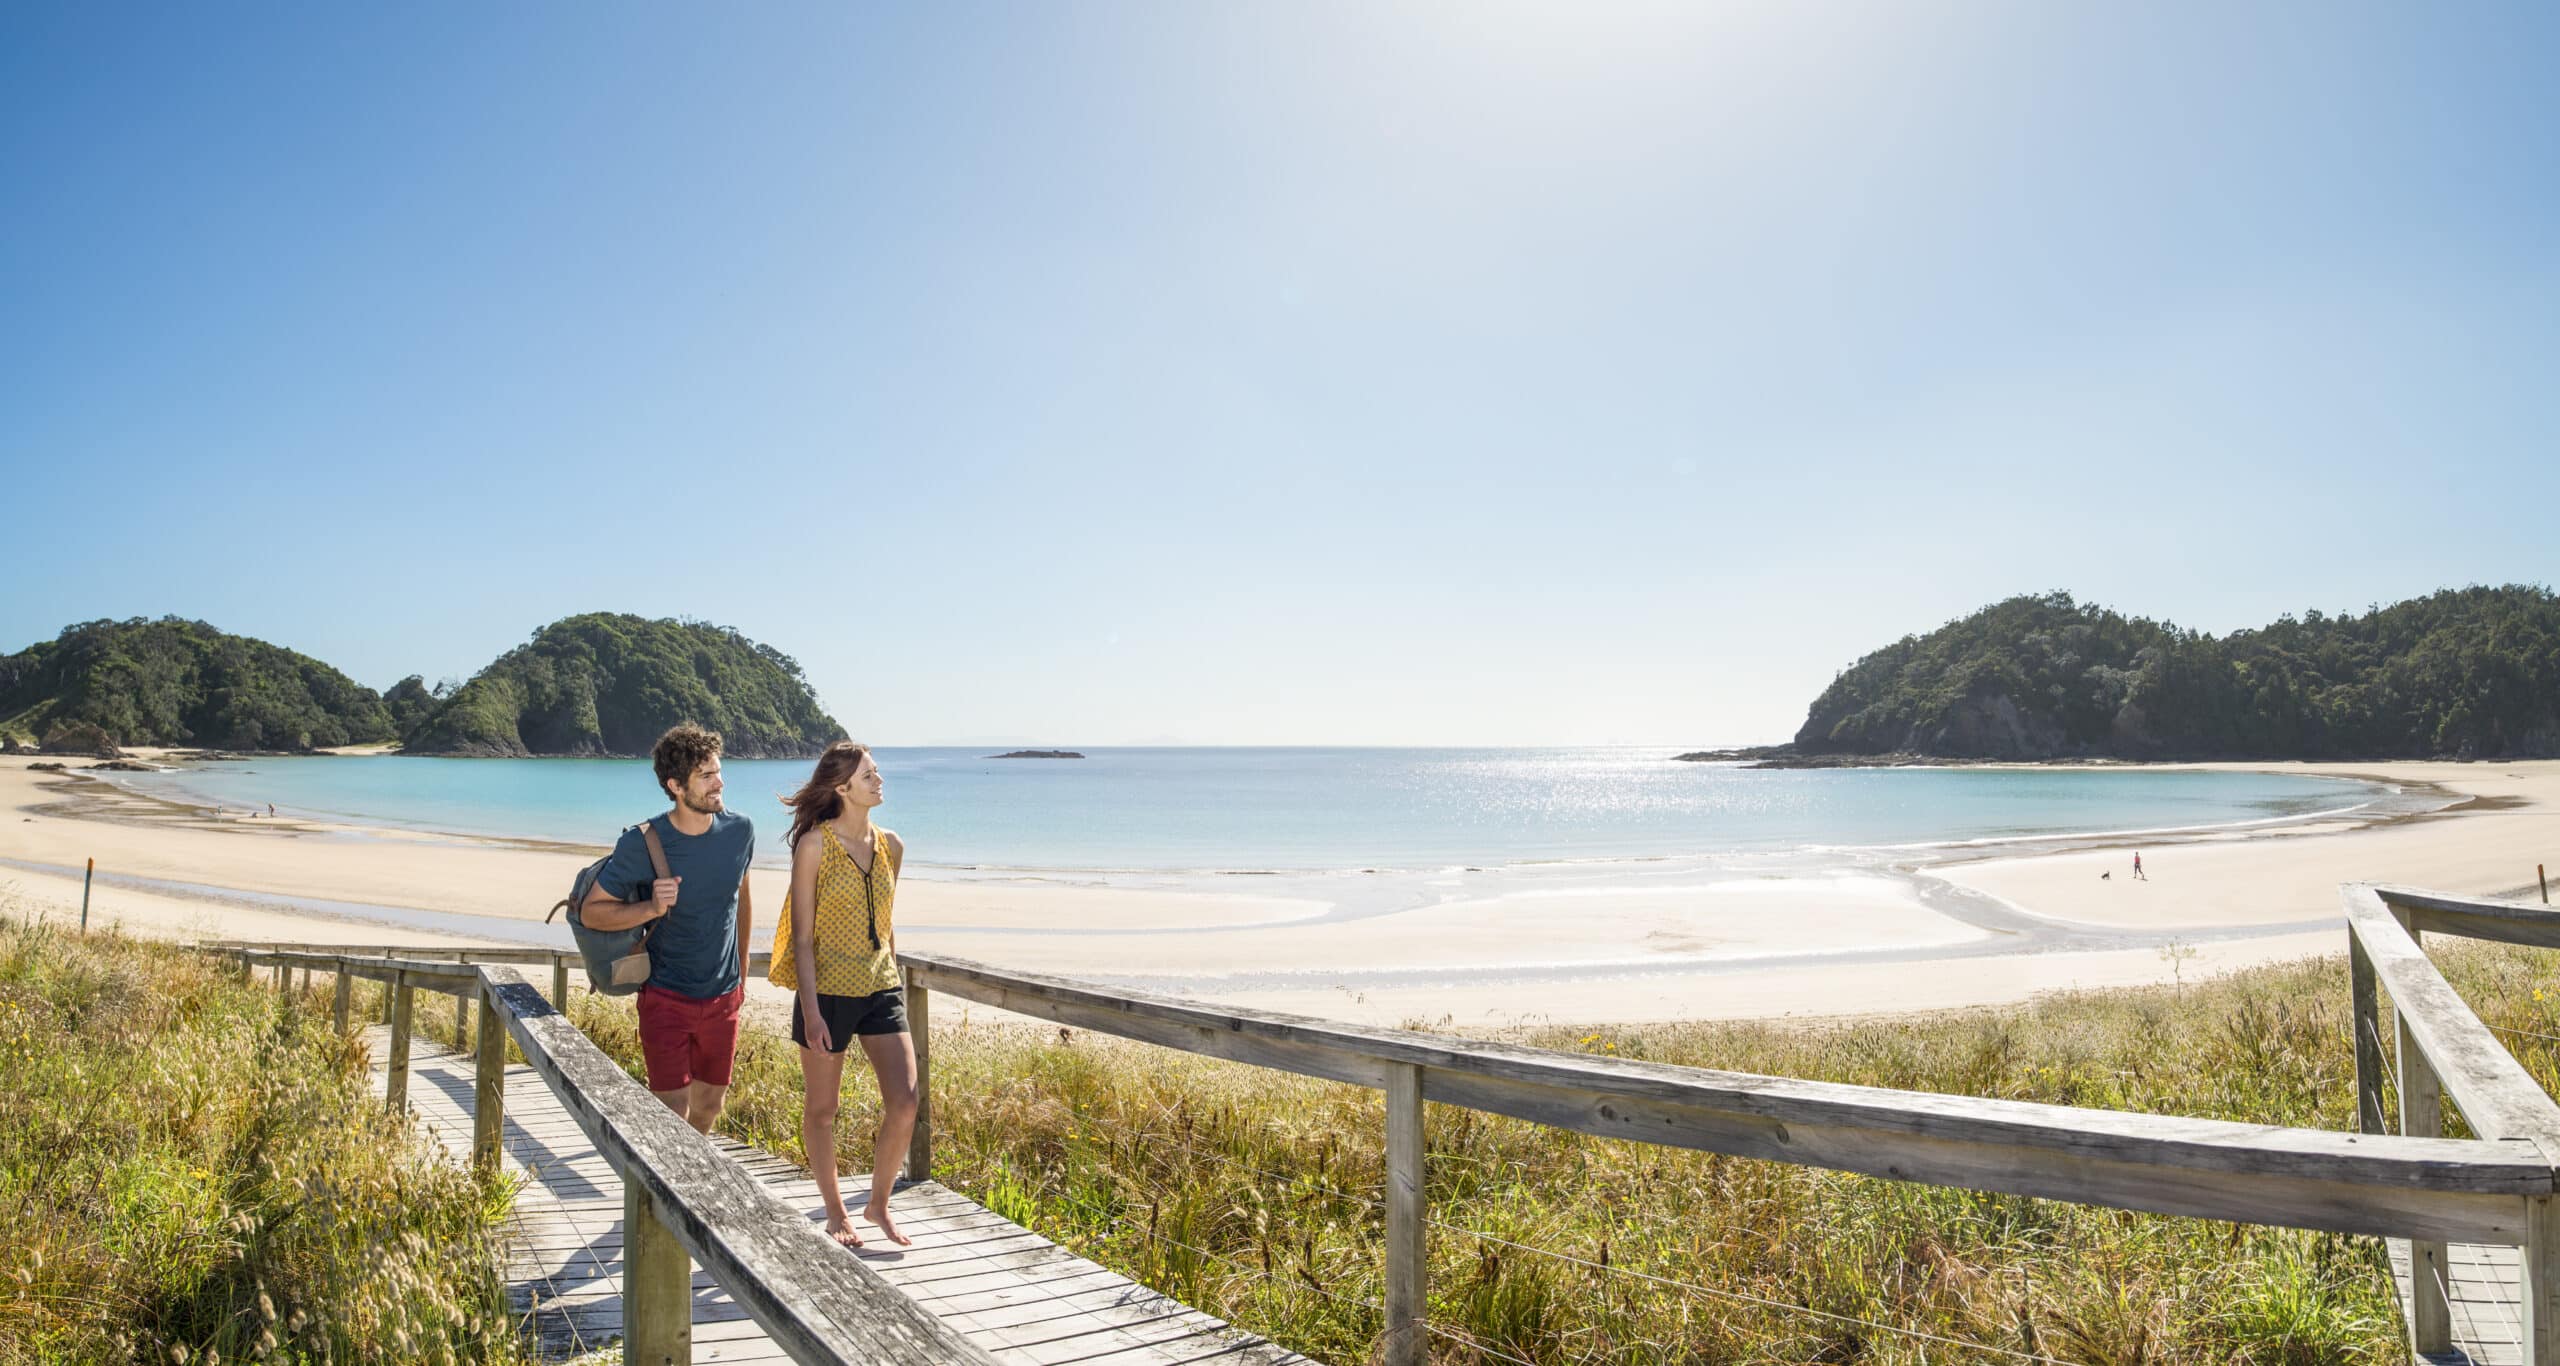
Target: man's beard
707,806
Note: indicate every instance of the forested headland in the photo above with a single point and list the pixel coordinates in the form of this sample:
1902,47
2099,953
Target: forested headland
607,683
2463,673
597,684
177,682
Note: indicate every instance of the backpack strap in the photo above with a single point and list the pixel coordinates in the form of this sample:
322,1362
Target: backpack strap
657,861
657,851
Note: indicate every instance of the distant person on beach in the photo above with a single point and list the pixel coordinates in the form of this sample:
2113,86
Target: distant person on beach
2137,866
698,958
835,945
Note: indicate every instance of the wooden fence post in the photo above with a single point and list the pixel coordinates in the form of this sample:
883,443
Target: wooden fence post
920,1030
462,1013
1406,1343
342,997
284,979
387,993
2368,1025
489,1104
560,984
657,1286
2538,1271
2422,1116
395,1086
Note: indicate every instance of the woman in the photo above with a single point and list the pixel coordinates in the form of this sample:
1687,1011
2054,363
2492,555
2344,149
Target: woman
842,958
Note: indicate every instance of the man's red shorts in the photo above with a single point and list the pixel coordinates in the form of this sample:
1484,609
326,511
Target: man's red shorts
684,1039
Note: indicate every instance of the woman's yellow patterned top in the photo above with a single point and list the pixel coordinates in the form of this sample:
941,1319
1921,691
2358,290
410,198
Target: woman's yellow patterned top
852,905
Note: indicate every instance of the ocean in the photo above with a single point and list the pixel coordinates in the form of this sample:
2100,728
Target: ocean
1298,810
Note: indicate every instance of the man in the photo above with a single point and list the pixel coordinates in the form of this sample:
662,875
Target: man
698,953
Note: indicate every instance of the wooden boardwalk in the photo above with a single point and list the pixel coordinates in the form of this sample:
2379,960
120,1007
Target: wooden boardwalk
2488,1323
1021,1296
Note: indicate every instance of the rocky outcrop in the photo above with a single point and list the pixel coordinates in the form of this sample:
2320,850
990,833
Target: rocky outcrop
80,737
1038,754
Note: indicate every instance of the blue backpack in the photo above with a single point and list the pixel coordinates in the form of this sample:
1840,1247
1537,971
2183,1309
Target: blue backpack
617,960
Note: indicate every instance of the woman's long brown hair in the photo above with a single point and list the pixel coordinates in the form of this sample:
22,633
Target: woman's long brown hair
817,800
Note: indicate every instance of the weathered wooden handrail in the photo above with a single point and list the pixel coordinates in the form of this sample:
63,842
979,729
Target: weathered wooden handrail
683,1202
2445,1052
2415,1186
2427,1189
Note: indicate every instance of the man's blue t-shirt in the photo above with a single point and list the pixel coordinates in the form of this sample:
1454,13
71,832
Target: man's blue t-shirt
694,950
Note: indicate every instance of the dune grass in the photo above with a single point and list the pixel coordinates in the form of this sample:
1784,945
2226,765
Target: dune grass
1254,1195
192,1171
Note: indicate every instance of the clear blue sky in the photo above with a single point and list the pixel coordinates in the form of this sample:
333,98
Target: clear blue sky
1270,373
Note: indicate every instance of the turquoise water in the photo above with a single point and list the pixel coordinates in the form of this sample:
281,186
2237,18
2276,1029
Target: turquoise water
1301,809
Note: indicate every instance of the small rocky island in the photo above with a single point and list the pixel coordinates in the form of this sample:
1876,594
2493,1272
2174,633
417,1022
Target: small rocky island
1038,754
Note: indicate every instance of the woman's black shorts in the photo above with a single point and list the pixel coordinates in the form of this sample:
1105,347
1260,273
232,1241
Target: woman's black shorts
881,1012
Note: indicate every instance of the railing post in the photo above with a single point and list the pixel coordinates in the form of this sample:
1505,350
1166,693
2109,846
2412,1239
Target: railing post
342,997
657,1286
560,984
2368,1026
462,1014
387,993
920,1031
284,979
306,977
2422,1116
1405,1340
2538,1269
395,1086
489,1104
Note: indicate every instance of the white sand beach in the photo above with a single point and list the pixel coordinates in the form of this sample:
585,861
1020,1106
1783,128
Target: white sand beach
1998,929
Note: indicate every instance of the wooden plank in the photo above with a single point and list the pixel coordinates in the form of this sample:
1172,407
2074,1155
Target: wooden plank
2505,922
818,1303
2122,1183
2497,1096
1357,1053
1109,1014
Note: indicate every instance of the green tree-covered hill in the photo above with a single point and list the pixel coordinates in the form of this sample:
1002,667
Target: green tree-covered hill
2471,672
606,683
177,682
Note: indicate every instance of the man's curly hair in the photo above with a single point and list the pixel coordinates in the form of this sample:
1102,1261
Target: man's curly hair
680,751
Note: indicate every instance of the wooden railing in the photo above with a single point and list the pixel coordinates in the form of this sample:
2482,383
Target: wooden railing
2415,1186
683,1202
2445,1052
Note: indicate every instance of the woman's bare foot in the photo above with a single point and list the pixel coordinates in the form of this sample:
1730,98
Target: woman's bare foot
841,1229
878,1212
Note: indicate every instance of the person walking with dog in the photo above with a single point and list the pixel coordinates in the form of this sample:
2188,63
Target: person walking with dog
698,949
836,946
